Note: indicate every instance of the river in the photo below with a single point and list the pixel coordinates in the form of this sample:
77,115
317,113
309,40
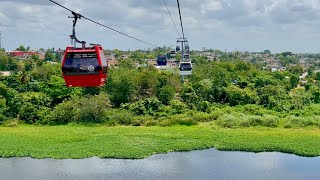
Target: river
206,164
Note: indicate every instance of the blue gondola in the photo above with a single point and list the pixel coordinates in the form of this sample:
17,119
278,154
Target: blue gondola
161,61
177,48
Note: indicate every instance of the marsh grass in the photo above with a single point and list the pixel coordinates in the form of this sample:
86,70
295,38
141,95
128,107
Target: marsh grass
78,141
239,120
300,122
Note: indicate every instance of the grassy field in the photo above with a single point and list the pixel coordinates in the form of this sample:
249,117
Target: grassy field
75,141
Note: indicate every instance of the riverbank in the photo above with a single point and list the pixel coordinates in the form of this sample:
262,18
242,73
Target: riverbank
75,141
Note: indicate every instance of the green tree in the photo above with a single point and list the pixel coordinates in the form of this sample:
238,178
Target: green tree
189,96
49,56
204,90
148,106
300,98
294,81
146,82
4,61
36,59
298,70
3,108
21,48
121,86
33,107
55,89
127,64
310,72
10,96
317,76
242,66
238,96
166,94
117,53
267,51
93,109
273,97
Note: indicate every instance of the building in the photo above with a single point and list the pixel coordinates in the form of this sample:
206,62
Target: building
21,54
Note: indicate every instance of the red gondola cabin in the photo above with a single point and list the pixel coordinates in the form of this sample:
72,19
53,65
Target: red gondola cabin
84,67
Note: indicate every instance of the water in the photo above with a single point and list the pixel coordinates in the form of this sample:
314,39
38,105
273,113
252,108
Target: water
207,164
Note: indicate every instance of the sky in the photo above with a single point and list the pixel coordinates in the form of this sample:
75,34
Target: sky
227,25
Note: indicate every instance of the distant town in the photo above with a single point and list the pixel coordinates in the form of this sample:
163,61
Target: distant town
265,59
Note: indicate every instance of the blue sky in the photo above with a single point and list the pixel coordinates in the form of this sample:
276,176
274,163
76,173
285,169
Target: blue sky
246,25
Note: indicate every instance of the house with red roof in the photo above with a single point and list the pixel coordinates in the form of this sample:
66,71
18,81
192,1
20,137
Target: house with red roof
21,54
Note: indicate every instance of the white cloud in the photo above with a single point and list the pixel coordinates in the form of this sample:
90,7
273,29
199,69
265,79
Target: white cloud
210,5
222,24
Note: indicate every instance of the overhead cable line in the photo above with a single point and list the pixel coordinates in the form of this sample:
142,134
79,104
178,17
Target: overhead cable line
174,24
117,31
180,19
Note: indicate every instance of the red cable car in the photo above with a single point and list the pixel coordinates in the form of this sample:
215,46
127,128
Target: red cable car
84,67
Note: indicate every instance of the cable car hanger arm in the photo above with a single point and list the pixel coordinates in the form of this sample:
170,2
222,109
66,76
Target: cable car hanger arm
73,37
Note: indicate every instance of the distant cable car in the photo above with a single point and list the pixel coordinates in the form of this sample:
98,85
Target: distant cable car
187,47
172,54
84,67
177,48
161,61
186,56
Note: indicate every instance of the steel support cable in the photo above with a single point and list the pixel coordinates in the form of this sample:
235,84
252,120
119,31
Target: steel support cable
117,31
174,24
180,18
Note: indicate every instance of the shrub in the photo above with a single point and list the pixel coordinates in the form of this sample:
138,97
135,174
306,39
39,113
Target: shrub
216,114
119,116
204,106
238,96
270,121
11,123
33,107
203,117
144,120
255,120
3,108
166,94
312,110
236,120
228,121
293,121
254,109
64,112
91,109
180,119
176,107
148,106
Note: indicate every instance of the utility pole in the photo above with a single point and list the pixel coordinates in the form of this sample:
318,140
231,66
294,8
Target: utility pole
182,41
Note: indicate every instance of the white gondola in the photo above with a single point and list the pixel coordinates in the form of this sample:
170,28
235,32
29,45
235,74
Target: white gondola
186,56
172,54
185,68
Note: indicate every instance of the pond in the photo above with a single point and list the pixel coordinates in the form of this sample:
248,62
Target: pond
206,164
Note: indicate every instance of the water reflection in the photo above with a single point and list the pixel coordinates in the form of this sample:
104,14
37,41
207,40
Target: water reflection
207,164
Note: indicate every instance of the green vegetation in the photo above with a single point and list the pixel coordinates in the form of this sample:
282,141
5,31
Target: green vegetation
74,141
34,92
251,108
